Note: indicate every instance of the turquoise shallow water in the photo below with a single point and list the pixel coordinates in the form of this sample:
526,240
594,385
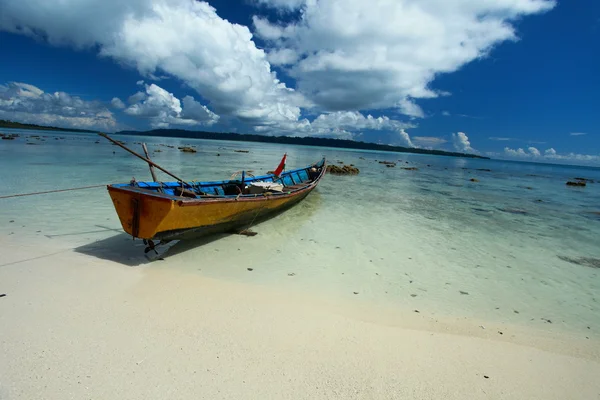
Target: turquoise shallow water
518,246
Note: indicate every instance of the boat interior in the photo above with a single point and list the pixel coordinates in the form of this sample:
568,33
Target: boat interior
246,186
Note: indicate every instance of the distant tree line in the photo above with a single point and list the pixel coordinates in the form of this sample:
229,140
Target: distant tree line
18,125
305,141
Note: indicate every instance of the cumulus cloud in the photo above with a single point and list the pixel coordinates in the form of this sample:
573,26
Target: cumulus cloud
27,103
551,155
345,56
163,109
357,54
344,125
461,143
117,103
181,38
282,57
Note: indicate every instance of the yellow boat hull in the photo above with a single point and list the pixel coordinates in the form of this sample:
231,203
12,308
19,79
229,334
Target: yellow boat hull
148,215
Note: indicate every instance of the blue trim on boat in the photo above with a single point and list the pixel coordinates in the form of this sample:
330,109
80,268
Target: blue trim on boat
215,188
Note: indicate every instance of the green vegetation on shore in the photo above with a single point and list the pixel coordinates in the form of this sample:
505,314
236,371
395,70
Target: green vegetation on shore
237,137
18,125
305,141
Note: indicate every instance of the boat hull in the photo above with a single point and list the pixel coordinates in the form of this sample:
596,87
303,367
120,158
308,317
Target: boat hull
152,215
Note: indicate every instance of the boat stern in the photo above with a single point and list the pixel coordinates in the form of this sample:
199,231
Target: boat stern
140,214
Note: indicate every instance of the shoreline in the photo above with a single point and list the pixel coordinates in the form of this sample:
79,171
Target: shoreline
73,325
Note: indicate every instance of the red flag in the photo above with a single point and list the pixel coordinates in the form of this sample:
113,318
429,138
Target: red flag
281,166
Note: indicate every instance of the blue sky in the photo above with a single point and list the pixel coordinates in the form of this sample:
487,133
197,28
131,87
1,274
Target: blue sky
515,79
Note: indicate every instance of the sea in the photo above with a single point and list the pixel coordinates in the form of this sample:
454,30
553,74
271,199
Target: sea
495,240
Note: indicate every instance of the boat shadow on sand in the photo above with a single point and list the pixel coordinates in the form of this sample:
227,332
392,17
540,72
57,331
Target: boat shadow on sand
122,249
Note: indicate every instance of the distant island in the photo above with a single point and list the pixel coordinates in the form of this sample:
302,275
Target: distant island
18,125
305,141
237,137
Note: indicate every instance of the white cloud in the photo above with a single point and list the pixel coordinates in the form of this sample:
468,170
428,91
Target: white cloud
550,155
533,151
196,111
181,38
461,143
515,153
410,108
446,113
136,98
343,125
357,55
501,139
345,56
578,133
117,103
282,57
29,104
163,109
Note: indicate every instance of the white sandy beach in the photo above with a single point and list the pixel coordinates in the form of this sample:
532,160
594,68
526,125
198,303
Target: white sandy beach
77,327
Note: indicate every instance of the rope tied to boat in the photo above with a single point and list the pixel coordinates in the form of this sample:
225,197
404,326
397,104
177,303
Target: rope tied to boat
51,191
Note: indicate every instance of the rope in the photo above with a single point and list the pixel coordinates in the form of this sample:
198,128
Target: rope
51,191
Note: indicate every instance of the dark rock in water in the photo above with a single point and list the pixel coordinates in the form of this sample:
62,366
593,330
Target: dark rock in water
546,320
410,168
345,170
387,163
250,269
390,165
484,169
413,295
355,292
584,261
31,143
539,201
2,294
461,292
187,149
474,180
218,155
158,151
362,158
291,274
584,180
576,183
242,151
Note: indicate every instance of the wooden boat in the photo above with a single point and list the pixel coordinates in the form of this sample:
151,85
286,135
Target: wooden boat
178,210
